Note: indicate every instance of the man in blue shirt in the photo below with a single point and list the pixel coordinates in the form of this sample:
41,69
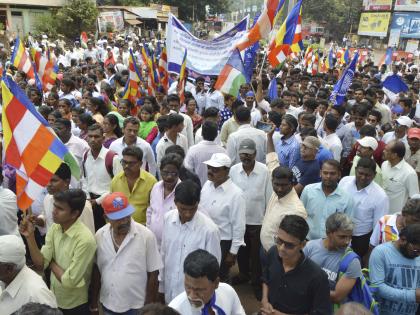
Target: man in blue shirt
395,271
325,198
288,147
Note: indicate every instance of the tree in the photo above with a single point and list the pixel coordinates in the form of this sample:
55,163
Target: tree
190,10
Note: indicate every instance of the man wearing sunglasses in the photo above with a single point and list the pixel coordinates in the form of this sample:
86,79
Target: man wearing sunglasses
292,283
395,271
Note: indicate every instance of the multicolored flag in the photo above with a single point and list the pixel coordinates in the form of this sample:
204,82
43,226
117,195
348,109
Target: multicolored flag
46,68
151,83
232,75
83,40
329,62
30,145
132,90
345,57
263,26
340,88
288,39
163,70
182,79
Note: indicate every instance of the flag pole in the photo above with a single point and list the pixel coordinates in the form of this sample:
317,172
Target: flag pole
263,62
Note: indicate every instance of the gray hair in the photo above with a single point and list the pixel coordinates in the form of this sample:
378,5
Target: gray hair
338,221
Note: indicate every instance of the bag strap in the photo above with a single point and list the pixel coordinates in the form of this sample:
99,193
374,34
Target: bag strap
84,161
346,259
109,162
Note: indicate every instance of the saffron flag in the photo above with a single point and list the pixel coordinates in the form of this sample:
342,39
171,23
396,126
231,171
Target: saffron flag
340,88
30,145
232,76
163,70
288,39
182,78
263,26
132,90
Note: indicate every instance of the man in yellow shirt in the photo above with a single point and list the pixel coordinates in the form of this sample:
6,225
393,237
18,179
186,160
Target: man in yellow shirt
68,251
135,183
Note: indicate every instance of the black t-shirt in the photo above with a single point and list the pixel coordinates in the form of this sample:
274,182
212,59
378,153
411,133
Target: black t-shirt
303,290
306,172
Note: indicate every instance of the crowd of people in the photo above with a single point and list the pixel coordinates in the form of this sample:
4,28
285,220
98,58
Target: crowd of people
300,194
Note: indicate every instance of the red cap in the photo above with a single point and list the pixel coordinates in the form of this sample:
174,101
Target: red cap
116,206
413,133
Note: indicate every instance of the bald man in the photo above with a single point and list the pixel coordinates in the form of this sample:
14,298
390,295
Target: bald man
21,285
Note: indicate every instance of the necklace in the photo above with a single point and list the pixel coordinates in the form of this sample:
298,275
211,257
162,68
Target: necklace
114,242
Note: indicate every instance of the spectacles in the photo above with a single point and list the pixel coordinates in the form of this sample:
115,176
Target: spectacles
128,163
279,241
165,173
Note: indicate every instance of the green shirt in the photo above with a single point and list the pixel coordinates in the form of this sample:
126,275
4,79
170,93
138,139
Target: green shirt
73,251
139,197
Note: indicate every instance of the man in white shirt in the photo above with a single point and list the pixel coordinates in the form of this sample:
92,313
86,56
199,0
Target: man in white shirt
59,182
214,97
200,94
172,136
246,131
370,203
19,284
331,140
185,230
9,210
210,114
131,129
203,151
254,179
204,294
174,104
99,167
225,204
125,276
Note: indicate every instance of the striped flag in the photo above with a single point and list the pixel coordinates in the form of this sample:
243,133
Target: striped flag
308,56
329,62
288,39
263,26
30,145
345,57
83,40
132,90
163,70
182,79
232,75
313,64
147,60
46,68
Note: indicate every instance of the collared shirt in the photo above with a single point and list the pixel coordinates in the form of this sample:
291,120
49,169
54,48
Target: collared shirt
74,251
159,206
178,241
201,99
400,183
188,130
198,137
228,127
385,230
77,147
8,213
378,176
247,132
369,204
226,298
414,161
320,207
215,99
200,153
124,272
333,143
288,151
277,208
225,205
96,178
165,143
139,197
149,162
25,288
257,190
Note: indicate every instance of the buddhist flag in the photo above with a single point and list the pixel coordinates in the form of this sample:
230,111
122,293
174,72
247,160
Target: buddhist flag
182,78
232,75
288,39
30,145
163,70
132,90
263,26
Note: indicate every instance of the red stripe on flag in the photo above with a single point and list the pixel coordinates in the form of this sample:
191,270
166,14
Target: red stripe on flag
41,176
14,112
12,155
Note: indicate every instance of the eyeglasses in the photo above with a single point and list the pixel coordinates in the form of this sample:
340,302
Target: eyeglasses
128,163
279,241
165,173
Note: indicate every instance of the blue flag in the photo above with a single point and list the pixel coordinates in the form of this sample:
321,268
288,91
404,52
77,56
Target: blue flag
395,84
272,89
388,56
341,87
250,56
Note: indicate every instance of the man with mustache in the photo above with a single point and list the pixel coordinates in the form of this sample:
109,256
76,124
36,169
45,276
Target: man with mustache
204,294
125,276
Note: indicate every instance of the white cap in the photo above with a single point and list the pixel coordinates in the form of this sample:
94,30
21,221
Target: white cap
219,160
405,121
368,142
44,36
12,250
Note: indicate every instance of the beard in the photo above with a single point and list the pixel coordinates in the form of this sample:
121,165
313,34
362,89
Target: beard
406,252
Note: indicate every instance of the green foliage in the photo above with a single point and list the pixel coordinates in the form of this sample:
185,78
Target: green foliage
339,16
127,2
72,19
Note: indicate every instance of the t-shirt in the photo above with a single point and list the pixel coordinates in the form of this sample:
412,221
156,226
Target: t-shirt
329,261
306,172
